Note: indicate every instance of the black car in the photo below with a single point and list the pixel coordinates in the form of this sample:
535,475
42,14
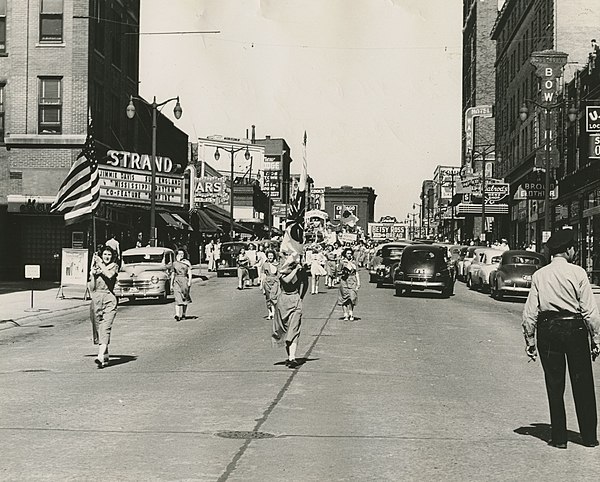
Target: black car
391,253
513,275
227,263
424,267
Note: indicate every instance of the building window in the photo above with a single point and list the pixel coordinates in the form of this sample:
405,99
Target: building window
51,21
1,112
2,26
50,106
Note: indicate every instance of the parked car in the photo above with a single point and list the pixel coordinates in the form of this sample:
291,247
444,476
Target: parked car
227,264
453,251
145,273
513,275
484,263
423,267
374,262
463,264
391,253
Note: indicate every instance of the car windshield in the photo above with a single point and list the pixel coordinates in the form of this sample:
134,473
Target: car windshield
392,252
496,259
142,258
524,260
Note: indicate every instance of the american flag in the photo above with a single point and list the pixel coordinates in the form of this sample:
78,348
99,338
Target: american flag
293,237
79,193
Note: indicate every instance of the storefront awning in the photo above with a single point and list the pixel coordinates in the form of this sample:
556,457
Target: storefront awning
218,216
206,224
175,221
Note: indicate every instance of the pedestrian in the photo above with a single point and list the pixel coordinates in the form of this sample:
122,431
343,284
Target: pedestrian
270,282
561,313
217,253
243,263
114,244
209,251
181,281
140,240
349,284
293,280
317,268
103,307
330,265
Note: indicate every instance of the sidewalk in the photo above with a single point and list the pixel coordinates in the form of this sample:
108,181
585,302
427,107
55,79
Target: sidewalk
16,307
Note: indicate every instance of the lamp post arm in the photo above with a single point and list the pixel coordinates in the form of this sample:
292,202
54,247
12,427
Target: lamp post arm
546,106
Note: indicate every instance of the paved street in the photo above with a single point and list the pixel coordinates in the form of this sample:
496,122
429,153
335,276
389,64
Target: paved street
419,388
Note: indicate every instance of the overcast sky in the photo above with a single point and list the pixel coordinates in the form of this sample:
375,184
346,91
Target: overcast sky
376,84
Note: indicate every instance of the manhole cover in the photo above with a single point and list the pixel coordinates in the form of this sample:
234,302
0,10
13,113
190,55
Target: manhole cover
241,434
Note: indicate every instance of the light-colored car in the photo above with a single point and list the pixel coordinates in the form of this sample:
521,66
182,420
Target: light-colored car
464,261
484,263
145,273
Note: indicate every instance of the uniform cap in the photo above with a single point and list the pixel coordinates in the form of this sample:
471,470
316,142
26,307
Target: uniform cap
560,241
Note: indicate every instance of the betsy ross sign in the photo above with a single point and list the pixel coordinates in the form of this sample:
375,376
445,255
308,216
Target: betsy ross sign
386,230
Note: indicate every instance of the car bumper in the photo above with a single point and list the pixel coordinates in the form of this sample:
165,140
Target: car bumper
134,292
420,284
514,290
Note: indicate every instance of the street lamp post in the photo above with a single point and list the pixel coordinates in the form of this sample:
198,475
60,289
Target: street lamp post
548,108
177,111
232,150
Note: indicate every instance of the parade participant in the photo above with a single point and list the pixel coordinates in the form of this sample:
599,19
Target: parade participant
103,307
349,284
270,282
243,263
562,312
217,253
330,266
113,243
252,271
317,268
286,324
261,257
181,281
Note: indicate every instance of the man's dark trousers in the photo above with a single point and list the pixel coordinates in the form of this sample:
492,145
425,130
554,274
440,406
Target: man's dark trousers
556,339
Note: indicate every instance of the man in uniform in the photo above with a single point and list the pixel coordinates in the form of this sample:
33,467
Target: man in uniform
562,309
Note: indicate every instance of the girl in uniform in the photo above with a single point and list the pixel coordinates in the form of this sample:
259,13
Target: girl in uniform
181,280
349,284
270,282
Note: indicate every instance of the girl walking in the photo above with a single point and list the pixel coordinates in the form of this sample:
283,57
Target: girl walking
270,282
103,307
317,268
181,280
349,284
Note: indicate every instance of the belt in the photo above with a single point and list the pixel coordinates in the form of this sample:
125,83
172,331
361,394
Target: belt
559,315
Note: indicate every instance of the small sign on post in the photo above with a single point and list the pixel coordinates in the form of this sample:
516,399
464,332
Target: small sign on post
32,271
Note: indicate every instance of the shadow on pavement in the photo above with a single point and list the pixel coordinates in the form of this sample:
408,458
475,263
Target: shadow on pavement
299,361
428,295
543,432
117,359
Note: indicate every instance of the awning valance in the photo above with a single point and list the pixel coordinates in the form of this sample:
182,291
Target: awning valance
206,224
175,221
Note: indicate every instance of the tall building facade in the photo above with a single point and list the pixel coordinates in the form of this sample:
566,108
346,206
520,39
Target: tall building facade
478,125
60,62
521,28
360,201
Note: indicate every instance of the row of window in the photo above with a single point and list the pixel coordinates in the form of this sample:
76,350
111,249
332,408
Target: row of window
51,22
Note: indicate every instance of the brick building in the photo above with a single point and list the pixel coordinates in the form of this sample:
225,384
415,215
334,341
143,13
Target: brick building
523,27
59,60
360,201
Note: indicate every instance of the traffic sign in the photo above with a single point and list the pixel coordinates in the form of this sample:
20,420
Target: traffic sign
592,118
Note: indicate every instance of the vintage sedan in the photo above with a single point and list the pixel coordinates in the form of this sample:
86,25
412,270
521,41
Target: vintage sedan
145,273
484,263
513,275
374,262
227,264
464,260
424,267
391,253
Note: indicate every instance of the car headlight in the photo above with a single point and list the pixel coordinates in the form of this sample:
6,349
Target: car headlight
154,280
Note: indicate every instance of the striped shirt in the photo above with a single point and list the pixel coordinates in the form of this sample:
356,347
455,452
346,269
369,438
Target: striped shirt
560,286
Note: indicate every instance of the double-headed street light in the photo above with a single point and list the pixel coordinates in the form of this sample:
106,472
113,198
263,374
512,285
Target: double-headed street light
177,111
547,108
232,150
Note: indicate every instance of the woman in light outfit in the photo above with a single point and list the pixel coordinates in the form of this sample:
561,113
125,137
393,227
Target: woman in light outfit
349,284
181,280
270,282
103,308
288,318
317,268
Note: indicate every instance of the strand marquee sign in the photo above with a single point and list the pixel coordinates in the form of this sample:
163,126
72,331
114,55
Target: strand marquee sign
127,178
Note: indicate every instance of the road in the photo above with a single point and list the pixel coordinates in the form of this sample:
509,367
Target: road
418,388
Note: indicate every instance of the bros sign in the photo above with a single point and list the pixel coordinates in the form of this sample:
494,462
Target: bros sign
211,190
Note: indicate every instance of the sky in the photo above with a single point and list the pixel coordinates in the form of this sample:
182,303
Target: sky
376,84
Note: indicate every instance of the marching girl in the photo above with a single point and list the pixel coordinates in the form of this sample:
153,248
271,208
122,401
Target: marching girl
330,266
317,268
270,282
349,284
181,280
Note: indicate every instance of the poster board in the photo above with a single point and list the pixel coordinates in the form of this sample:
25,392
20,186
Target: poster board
73,270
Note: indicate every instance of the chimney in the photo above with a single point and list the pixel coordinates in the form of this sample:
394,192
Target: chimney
253,134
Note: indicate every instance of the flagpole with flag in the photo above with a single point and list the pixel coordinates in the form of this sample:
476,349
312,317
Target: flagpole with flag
79,194
293,238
